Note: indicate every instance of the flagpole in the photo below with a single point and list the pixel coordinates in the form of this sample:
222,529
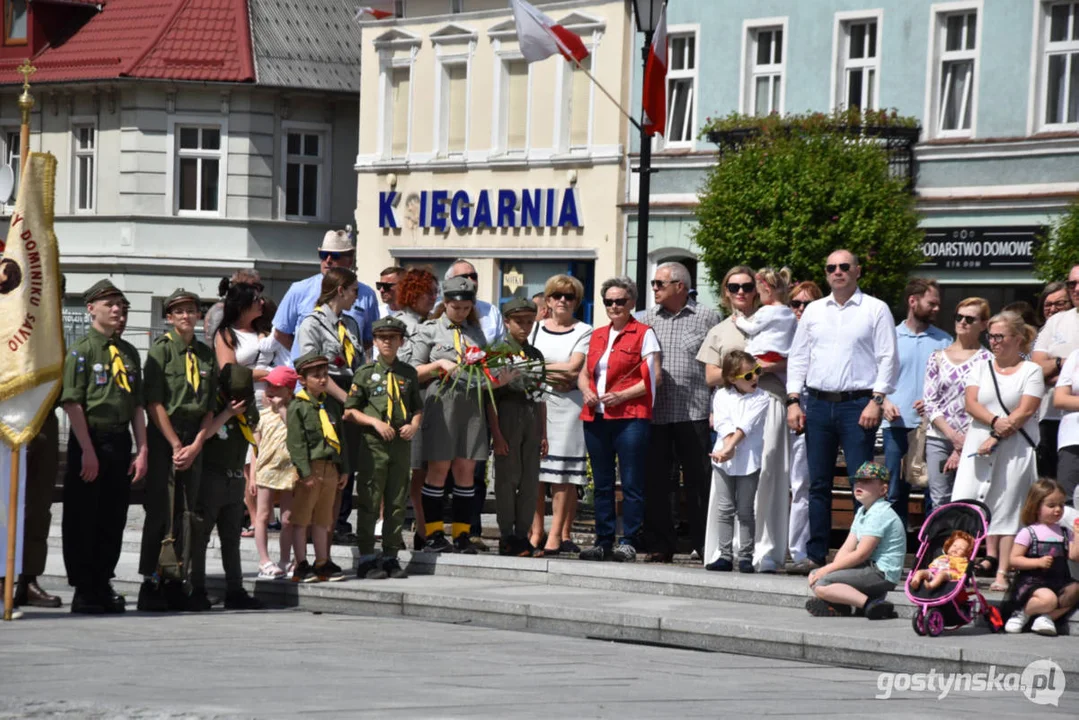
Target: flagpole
603,90
26,104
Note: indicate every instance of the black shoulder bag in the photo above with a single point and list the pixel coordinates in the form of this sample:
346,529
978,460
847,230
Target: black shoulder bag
996,386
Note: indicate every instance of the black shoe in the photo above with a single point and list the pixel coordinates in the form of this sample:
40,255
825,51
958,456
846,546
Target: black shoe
822,608
745,566
438,543
597,552
418,542
197,601
371,570
175,595
113,601
720,565
303,573
464,545
568,546
152,598
344,538
879,609
393,568
507,546
240,600
329,571
275,526
86,603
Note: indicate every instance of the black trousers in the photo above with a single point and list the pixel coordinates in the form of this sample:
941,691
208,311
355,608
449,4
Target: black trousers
1047,448
95,513
690,443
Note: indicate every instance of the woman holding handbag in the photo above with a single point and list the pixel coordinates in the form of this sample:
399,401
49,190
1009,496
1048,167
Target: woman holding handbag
998,461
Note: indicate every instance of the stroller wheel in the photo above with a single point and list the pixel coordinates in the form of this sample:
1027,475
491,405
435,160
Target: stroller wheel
934,623
918,622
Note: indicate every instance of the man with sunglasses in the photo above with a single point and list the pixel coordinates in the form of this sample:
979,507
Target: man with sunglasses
916,340
336,251
844,355
1056,341
387,290
680,432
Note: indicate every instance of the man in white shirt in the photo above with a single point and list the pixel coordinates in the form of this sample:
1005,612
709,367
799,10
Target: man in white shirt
844,355
1056,341
387,290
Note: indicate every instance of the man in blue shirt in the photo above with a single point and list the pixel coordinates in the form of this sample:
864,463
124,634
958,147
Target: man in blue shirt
336,251
916,339
490,315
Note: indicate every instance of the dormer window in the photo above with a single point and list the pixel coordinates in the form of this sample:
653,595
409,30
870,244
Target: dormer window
15,22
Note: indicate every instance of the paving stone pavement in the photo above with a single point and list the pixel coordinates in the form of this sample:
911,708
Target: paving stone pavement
287,663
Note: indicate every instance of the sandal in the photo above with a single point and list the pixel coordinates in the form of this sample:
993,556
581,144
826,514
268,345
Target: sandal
998,586
549,552
247,532
269,570
986,567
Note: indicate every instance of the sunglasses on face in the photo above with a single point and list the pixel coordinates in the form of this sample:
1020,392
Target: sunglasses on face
799,304
843,267
747,288
568,297
1059,305
965,319
620,302
1070,284
330,255
996,338
755,372
384,286
474,277
660,284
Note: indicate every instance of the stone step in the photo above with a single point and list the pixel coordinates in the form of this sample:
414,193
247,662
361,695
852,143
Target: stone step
687,622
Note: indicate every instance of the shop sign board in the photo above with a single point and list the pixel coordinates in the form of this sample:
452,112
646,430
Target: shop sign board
981,248
442,210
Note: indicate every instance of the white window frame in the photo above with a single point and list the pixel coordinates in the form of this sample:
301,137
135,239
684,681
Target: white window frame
1042,27
691,75
936,57
325,169
563,96
75,123
173,155
454,45
5,159
388,46
500,110
399,8
749,72
841,54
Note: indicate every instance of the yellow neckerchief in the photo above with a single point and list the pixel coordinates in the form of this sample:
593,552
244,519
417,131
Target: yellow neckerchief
191,364
458,344
117,367
342,336
328,433
245,427
393,394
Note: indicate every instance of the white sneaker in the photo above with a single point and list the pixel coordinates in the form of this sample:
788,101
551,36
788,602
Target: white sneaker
378,528
1016,622
1044,625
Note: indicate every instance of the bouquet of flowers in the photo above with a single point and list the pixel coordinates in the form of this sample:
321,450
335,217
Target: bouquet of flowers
483,370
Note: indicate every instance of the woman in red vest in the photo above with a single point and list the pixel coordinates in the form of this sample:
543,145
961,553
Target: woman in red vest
617,382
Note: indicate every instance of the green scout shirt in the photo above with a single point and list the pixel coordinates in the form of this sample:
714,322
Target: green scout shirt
305,441
88,381
166,379
227,450
369,392
537,373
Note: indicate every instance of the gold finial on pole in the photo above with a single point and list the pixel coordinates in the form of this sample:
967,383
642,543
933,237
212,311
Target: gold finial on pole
26,104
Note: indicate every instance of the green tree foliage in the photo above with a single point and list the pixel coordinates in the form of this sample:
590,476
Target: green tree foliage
790,198
1059,252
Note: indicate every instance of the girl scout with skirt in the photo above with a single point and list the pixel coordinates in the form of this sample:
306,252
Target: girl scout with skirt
454,428
180,388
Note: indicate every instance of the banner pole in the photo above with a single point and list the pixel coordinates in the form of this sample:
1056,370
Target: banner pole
604,91
12,527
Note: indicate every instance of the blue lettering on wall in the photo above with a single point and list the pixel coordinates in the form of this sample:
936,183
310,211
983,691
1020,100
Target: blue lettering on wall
386,216
483,211
438,209
548,215
568,216
507,203
530,208
459,210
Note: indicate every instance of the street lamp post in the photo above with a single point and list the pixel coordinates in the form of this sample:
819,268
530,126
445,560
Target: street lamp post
647,13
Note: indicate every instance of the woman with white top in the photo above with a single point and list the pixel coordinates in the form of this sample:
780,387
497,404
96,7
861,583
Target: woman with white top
618,384
1066,399
998,462
563,340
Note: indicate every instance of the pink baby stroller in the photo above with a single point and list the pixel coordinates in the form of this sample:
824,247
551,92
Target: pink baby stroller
955,603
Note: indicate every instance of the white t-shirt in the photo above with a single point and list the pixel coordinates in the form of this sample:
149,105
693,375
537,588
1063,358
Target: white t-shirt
1058,338
1027,380
1068,434
770,329
649,346
731,411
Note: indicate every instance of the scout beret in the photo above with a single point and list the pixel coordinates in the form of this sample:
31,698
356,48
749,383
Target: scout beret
517,305
179,296
101,289
237,382
390,324
459,288
310,360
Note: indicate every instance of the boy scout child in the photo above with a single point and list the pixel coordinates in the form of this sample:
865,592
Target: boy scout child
385,402
315,446
221,489
181,385
519,436
102,396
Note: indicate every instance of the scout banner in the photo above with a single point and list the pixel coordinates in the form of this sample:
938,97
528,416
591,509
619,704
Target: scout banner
31,331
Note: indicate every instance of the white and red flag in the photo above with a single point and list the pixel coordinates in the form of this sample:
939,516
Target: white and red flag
373,12
654,103
540,37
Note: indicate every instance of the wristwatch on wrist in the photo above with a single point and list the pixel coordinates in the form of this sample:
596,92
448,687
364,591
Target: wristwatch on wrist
878,398
792,400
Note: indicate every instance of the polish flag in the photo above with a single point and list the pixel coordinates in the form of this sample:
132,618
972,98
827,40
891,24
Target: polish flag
368,10
654,103
540,37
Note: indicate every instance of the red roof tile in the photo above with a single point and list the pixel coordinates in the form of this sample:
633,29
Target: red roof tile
206,40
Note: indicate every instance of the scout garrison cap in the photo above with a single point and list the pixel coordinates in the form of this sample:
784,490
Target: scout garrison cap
389,324
309,360
237,382
459,288
517,305
101,289
178,296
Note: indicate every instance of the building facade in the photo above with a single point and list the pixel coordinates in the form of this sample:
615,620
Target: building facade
192,139
468,151
995,85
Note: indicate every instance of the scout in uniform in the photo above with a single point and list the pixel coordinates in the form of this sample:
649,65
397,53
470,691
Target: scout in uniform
102,396
181,387
519,435
221,488
454,428
314,444
385,402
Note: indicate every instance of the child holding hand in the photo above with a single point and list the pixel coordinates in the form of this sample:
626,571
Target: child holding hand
1043,587
952,565
738,411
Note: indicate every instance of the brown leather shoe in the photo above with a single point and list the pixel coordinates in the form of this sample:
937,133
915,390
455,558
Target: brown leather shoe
28,592
660,557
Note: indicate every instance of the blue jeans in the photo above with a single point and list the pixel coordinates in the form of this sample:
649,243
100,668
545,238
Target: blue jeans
895,449
628,439
830,425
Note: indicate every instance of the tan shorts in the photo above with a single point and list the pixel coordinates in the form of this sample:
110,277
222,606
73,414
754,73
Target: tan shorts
314,505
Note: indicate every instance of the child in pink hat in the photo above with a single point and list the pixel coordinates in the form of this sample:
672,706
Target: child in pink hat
275,475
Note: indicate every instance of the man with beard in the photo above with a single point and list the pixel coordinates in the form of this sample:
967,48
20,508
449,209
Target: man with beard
916,339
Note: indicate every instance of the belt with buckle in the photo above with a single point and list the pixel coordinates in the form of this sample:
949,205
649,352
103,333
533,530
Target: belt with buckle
838,397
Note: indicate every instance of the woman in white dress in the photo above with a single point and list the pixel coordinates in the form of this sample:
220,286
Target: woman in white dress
563,340
998,461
